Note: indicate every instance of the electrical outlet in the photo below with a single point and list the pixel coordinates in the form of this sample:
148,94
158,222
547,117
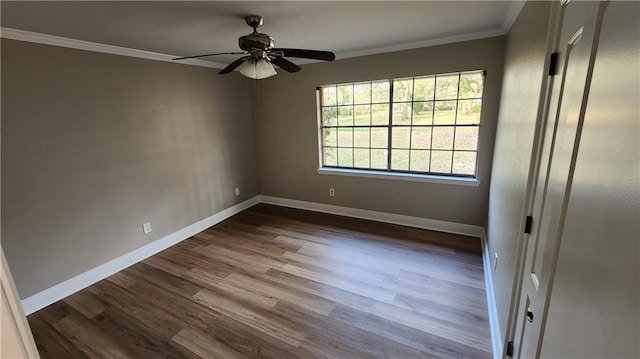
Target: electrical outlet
237,191
146,227
332,192
495,261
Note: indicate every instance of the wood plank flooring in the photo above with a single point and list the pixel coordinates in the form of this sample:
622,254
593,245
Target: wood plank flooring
273,282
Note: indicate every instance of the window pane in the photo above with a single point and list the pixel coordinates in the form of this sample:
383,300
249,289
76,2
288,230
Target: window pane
330,158
362,93
329,136
329,116
442,138
379,159
421,138
402,90
446,87
379,138
422,113
464,163
400,160
441,161
419,161
361,137
345,95
380,91
329,96
362,116
400,137
380,115
445,113
423,88
467,138
345,116
471,85
345,157
361,158
469,111
402,113
345,137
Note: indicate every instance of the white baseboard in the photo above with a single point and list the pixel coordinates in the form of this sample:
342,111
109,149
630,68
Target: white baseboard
418,222
409,221
81,281
62,290
494,324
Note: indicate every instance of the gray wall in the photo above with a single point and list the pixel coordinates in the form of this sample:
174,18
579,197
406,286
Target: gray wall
94,145
287,134
523,75
594,310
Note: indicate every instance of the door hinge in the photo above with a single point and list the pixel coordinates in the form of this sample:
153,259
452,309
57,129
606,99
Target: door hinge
528,224
553,64
510,349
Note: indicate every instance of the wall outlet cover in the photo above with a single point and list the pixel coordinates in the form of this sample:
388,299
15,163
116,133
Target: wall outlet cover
237,191
146,228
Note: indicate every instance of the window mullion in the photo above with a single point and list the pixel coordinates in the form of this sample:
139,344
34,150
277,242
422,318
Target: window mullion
389,123
320,94
353,122
413,90
370,118
455,122
337,124
337,130
433,111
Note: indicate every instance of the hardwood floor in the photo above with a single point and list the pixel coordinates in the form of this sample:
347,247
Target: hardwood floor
273,282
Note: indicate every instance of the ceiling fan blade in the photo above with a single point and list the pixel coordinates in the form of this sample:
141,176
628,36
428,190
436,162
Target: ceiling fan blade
285,64
306,54
233,65
219,53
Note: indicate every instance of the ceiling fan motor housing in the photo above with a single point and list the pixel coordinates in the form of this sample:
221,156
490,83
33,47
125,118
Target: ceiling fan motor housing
257,37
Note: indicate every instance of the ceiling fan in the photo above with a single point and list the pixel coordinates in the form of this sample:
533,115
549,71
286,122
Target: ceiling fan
261,54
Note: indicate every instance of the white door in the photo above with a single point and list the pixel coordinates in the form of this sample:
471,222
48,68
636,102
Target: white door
576,37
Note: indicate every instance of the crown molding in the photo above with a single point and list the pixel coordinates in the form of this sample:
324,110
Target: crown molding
515,8
420,44
512,14
28,36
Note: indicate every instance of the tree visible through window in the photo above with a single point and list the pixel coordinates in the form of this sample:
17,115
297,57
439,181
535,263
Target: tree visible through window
426,125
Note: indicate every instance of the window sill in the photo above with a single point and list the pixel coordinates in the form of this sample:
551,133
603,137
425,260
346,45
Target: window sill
458,181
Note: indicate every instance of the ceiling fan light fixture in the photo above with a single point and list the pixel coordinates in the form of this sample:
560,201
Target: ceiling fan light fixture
257,69
261,54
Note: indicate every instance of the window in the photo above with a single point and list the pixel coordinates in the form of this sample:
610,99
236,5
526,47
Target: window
423,125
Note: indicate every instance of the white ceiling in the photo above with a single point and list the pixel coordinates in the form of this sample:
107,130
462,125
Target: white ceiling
185,28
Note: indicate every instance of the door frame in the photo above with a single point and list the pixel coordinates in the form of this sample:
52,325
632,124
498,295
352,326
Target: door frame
552,45
21,339
544,99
